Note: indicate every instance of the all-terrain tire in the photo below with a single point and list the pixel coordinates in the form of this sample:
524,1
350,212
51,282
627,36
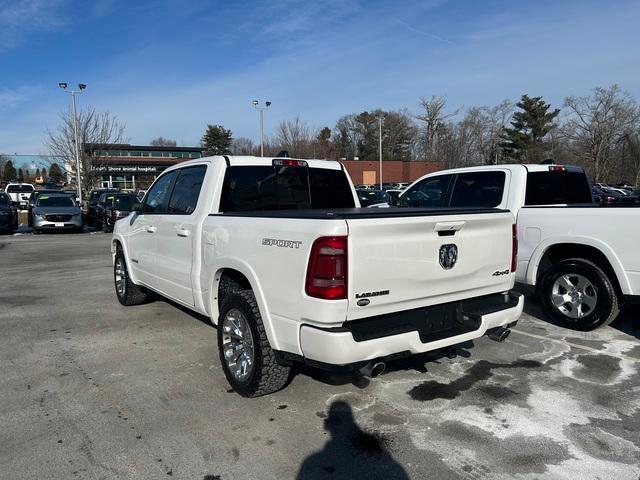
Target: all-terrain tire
267,375
607,305
132,294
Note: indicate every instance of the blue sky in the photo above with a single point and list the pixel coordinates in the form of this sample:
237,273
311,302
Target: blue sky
167,68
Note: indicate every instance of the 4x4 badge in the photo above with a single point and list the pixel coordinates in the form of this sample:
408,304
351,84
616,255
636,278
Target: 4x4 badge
448,256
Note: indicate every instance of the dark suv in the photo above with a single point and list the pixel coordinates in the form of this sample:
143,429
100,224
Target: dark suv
89,208
111,207
8,214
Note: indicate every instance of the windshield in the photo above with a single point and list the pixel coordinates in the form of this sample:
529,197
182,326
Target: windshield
95,195
19,188
370,197
124,203
47,201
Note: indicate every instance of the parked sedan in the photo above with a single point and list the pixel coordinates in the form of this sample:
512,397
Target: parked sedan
372,197
111,207
56,212
8,214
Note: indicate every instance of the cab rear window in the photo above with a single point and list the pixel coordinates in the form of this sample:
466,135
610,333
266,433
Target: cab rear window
254,188
552,188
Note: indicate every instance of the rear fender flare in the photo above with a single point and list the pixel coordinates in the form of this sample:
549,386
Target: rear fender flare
543,247
246,270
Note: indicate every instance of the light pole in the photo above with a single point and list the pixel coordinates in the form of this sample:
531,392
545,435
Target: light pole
81,87
261,109
380,119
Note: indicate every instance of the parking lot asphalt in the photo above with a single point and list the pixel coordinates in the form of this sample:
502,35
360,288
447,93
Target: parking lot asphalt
91,389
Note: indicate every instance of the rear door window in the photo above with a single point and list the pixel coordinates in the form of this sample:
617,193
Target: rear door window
478,189
186,191
430,192
551,188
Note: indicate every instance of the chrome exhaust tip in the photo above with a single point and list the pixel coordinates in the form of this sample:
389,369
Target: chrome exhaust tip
499,334
373,369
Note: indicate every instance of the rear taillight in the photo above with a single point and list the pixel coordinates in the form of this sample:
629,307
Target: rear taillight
557,168
327,270
514,247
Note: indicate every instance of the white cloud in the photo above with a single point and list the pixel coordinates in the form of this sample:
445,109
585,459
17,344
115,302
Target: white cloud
13,97
19,18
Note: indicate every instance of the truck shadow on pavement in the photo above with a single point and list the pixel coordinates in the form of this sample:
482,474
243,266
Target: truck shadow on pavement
350,452
416,363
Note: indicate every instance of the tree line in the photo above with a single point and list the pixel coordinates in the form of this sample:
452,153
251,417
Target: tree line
9,173
599,131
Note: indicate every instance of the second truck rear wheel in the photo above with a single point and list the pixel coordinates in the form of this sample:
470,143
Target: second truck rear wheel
576,293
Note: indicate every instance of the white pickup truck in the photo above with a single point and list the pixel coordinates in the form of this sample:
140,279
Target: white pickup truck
277,254
582,257
19,193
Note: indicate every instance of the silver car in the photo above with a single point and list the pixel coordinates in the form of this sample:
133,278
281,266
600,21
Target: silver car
56,212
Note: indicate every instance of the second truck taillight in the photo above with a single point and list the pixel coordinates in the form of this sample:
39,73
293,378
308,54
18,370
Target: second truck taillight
327,273
514,247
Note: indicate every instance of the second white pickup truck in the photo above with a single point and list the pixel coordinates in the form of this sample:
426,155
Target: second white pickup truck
582,257
277,254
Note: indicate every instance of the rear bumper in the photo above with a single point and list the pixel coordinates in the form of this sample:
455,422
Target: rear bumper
370,339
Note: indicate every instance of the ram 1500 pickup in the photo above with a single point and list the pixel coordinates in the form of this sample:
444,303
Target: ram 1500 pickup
277,253
582,257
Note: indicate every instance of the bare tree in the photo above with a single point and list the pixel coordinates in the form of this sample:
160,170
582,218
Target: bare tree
631,161
243,146
162,142
295,137
433,121
94,128
597,124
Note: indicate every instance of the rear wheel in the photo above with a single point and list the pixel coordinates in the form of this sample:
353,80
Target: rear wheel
106,228
128,293
247,358
576,293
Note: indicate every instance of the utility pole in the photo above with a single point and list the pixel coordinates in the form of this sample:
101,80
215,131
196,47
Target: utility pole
380,118
76,140
261,109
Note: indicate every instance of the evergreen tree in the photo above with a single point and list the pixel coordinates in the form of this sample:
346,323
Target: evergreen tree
217,140
55,173
8,172
523,141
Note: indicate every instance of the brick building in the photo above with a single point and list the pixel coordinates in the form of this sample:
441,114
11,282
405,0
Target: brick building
368,172
133,167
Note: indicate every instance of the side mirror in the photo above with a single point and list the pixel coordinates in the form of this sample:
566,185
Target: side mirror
138,207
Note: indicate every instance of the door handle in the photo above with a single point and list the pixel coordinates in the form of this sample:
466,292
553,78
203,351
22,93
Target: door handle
183,232
151,229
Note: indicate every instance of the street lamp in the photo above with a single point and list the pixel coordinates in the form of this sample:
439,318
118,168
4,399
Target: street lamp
81,87
256,105
380,119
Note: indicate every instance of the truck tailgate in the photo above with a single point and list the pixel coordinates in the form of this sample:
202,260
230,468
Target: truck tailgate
395,265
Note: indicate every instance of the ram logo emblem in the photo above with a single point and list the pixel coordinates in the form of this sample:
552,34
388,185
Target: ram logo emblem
448,256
